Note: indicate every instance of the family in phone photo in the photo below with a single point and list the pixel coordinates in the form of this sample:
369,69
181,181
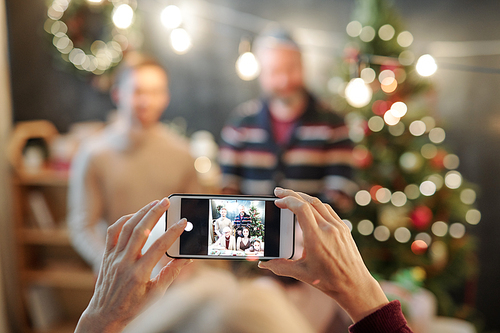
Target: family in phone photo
236,228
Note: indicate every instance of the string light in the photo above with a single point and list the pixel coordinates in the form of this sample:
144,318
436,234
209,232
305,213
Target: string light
381,233
365,227
468,196
473,216
123,16
453,179
358,93
354,28
439,228
367,34
402,235
457,230
426,65
362,198
386,32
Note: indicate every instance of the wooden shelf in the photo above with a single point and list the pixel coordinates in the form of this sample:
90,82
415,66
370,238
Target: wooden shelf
56,237
75,278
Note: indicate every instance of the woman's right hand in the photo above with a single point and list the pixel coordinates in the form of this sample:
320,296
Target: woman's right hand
330,261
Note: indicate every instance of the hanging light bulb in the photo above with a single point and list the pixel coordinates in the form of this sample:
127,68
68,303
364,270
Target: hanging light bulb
247,66
358,93
181,41
123,16
171,17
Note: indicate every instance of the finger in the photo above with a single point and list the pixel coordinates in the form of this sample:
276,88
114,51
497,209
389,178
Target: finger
129,226
143,229
283,192
114,231
333,213
318,205
168,273
302,209
162,244
283,267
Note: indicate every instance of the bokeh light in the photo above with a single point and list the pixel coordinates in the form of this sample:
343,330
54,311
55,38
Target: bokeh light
376,124
417,128
386,32
358,93
389,85
437,135
367,34
419,247
429,151
381,233
423,236
362,198
390,119
410,161
426,65
427,188
353,29
402,234
203,164
457,230
429,122
406,58
451,161
473,216
398,199
405,39
398,109
468,196
412,191
439,228
387,73
247,66
365,227
123,16
180,40
383,195
171,17
437,179
348,223
453,179
397,130
368,74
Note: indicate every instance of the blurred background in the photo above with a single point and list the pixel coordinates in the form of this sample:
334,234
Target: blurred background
461,35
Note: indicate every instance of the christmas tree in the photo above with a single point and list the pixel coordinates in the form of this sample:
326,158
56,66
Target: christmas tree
413,208
256,227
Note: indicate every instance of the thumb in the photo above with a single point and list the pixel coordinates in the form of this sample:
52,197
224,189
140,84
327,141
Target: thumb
282,267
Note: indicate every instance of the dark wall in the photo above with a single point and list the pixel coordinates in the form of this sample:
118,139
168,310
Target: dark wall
205,87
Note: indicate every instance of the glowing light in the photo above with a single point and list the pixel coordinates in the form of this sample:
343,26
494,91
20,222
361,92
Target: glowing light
427,188
390,119
386,32
412,191
386,74
398,109
436,179
360,153
397,129
457,230
398,199
439,228
468,196
367,34
439,251
423,236
171,17
426,65
123,16
202,164
189,227
402,234
410,161
451,161
368,75
353,29
58,26
362,198
389,85
406,58
383,195
430,123
417,128
419,247
429,151
247,66
473,216
400,75
437,135
94,1
347,223
405,39
382,233
358,93
180,40
453,179
376,124
365,227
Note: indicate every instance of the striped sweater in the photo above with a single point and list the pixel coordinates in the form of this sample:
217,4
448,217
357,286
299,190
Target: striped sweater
317,159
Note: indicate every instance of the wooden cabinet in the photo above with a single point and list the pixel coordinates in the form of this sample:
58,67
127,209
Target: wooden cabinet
56,284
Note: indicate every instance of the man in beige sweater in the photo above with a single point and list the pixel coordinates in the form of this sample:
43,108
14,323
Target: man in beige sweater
135,160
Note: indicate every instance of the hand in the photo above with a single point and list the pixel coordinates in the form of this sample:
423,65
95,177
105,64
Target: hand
330,261
124,288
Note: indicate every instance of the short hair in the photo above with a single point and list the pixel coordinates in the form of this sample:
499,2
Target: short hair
133,62
273,37
223,208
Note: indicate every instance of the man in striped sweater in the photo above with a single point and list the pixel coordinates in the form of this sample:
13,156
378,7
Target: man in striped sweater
287,138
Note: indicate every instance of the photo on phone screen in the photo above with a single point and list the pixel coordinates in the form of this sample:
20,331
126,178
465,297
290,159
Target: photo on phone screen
230,227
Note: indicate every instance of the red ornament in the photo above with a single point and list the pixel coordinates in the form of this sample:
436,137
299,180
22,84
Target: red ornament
421,217
418,247
437,161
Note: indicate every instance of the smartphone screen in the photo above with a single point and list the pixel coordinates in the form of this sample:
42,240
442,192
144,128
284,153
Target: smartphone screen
232,227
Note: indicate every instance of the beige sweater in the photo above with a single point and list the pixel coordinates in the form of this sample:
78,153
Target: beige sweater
117,173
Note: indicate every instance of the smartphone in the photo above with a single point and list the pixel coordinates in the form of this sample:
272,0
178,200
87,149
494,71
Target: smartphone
230,227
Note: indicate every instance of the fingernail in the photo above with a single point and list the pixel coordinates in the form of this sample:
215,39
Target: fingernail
154,203
181,221
278,190
163,202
